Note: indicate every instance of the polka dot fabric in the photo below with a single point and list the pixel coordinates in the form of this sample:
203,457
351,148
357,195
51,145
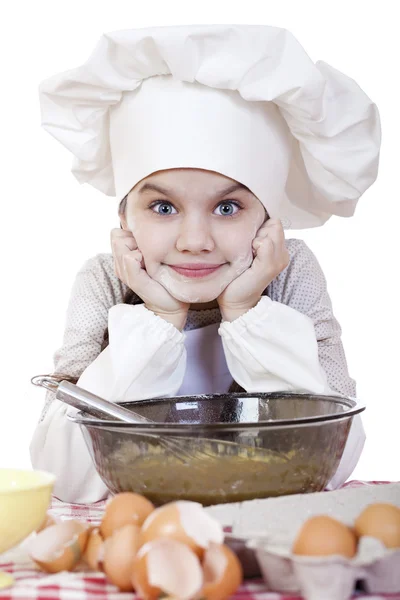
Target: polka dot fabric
302,286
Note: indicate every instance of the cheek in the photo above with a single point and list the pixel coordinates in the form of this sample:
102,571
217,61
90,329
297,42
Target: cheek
152,241
236,243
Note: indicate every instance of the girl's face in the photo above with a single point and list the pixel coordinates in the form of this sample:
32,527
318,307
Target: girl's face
183,219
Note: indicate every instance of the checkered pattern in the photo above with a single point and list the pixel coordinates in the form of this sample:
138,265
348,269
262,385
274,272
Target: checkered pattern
30,583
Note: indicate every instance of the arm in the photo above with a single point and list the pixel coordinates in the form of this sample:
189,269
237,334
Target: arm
295,345
150,359
273,348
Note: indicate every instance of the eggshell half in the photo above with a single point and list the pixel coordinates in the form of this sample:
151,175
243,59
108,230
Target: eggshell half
186,522
126,508
223,573
59,547
119,553
48,522
166,566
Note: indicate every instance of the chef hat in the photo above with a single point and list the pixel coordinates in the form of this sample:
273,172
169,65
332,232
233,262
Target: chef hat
244,101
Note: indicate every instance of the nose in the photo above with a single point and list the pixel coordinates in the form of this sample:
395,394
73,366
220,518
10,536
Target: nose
195,235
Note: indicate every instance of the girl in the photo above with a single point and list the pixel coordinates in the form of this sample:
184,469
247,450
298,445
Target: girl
214,137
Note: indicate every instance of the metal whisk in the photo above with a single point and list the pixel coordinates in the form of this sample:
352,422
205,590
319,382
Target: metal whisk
97,407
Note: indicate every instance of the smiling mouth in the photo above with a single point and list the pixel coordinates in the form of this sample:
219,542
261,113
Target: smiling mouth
196,272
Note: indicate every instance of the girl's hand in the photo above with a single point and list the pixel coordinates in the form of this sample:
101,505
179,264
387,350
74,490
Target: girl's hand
271,257
130,269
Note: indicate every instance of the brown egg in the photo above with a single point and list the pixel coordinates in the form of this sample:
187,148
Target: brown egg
184,521
94,553
381,521
324,536
166,567
59,547
223,573
119,553
126,508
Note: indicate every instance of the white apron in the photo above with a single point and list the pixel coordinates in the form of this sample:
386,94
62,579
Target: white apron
207,371
206,368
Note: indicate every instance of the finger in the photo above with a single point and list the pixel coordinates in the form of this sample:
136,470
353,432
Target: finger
118,232
134,275
270,251
121,245
281,252
263,247
275,233
129,266
255,245
121,234
267,226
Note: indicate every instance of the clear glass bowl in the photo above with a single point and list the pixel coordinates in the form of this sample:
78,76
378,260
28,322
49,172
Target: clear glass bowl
222,447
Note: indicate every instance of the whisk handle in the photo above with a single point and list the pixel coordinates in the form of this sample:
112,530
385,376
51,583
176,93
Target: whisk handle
83,400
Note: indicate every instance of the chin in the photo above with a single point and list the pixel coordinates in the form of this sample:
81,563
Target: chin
188,291
193,297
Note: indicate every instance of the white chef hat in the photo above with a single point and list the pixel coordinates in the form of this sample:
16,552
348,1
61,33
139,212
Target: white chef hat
245,101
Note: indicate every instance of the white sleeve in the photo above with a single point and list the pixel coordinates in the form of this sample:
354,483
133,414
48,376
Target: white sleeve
146,357
272,347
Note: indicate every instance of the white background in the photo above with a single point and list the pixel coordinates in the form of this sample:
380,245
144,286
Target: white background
51,224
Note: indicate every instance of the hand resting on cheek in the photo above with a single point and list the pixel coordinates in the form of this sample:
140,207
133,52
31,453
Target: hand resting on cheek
271,257
130,269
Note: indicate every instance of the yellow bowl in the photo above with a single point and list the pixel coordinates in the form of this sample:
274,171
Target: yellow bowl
24,499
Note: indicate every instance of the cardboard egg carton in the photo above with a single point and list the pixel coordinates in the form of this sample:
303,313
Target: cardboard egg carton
331,578
268,528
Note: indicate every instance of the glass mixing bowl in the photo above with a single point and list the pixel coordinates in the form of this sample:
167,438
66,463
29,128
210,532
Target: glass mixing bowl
222,447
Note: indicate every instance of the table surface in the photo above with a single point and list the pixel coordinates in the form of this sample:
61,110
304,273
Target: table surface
31,583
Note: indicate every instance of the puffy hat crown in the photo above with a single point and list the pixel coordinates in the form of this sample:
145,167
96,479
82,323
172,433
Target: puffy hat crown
243,100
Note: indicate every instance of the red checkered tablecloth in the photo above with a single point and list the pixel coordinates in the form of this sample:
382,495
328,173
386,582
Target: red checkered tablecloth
31,583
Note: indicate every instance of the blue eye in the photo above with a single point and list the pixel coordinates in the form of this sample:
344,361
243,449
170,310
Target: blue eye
227,208
165,207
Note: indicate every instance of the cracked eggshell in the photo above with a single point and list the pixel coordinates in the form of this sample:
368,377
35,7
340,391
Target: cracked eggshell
222,573
49,520
119,553
59,547
166,566
126,508
94,552
186,522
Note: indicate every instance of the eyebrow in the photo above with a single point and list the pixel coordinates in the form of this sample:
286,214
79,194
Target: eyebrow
152,187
